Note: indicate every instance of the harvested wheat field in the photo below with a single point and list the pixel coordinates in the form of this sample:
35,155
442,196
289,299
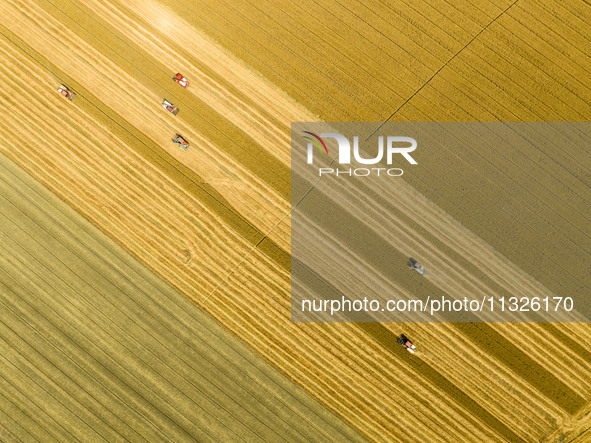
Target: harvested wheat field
146,289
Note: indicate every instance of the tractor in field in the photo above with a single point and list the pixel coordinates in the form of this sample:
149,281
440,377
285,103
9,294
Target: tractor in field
181,80
403,341
180,140
66,92
170,107
416,266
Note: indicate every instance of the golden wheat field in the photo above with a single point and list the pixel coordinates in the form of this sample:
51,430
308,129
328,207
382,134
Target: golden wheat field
145,290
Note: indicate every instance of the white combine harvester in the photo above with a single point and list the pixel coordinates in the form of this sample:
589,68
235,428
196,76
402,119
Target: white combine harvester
416,266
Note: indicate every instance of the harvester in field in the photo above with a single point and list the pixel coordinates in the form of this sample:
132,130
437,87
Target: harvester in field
416,266
408,345
181,80
66,92
170,107
180,140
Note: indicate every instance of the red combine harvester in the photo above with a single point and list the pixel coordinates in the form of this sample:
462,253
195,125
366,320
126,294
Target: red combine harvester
181,80
403,341
66,92
180,140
